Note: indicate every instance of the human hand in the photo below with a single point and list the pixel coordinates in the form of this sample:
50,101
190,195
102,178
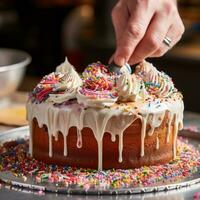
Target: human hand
141,26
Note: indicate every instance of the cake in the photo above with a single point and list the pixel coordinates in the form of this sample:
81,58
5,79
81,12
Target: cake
104,120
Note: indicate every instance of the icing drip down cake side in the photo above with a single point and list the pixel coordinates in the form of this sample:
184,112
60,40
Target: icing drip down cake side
103,120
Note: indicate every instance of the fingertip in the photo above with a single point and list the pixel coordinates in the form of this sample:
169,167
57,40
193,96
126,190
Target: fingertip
123,53
119,60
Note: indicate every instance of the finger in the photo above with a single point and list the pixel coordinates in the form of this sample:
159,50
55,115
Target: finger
111,59
153,38
119,18
134,32
175,33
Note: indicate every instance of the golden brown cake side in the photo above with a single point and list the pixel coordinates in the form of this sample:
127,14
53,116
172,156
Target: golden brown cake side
87,155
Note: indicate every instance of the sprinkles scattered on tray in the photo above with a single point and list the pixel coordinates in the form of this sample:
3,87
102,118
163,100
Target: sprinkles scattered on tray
14,158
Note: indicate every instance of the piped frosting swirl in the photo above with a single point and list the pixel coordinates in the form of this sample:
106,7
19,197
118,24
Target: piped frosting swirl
156,83
98,89
59,86
131,88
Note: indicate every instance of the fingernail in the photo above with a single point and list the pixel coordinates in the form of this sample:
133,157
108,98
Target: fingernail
119,60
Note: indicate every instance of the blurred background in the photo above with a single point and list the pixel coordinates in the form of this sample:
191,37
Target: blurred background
82,30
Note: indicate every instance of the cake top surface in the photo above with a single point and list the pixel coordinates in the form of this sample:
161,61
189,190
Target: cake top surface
100,88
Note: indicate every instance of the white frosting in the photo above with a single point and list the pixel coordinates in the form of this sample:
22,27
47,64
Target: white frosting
131,88
126,69
102,120
88,101
60,98
66,67
98,88
71,82
160,82
153,113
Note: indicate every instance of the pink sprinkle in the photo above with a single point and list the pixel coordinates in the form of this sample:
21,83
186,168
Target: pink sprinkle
40,192
196,196
191,128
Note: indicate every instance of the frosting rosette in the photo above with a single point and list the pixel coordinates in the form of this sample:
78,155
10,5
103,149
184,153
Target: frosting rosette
131,87
98,89
70,74
59,86
97,77
156,83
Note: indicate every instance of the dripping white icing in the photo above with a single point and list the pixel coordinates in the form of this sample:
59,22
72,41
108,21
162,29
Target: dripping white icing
120,147
79,139
65,145
113,138
30,140
143,134
60,119
175,135
50,145
169,126
157,142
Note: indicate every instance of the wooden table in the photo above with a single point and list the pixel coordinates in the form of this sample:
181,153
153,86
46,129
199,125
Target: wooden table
18,98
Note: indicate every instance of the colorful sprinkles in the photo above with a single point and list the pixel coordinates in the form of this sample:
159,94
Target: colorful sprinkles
98,82
14,158
54,83
97,77
156,83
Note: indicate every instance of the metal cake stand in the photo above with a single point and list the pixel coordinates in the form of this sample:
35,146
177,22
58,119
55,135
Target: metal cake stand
18,189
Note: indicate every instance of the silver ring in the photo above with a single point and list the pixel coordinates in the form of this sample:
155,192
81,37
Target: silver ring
167,41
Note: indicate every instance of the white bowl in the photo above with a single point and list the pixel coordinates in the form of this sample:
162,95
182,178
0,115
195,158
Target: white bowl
12,68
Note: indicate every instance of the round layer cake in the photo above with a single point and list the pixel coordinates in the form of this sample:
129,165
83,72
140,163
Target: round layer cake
105,120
